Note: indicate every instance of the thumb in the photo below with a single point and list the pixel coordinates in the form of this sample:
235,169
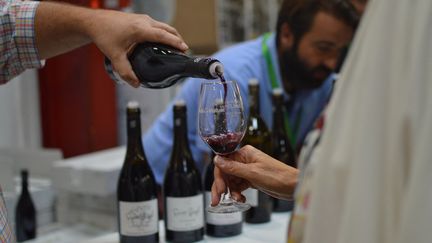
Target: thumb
231,167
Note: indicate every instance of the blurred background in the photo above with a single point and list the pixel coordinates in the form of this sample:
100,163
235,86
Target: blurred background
71,104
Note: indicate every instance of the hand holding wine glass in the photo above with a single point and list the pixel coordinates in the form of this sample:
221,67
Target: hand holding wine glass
222,125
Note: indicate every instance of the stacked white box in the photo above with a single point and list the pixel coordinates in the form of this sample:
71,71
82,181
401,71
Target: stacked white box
93,174
87,188
37,161
98,211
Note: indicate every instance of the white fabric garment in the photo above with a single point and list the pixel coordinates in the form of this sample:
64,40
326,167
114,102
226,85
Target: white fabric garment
373,180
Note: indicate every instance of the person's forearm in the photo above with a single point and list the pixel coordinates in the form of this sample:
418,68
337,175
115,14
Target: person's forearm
285,183
55,28
61,27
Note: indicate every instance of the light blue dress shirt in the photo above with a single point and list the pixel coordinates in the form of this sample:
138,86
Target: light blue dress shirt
241,63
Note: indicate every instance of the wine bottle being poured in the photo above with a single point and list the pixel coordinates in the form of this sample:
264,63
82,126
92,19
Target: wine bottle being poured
159,66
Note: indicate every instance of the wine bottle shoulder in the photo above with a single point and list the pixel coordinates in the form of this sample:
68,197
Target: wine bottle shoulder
136,183
257,129
182,184
258,135
182,161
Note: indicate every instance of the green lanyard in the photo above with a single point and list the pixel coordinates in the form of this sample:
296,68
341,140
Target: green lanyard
291,133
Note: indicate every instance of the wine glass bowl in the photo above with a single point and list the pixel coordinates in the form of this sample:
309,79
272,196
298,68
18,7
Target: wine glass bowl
221,118
222,125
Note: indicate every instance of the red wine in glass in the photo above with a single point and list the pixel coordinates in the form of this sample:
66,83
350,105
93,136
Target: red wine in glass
224,143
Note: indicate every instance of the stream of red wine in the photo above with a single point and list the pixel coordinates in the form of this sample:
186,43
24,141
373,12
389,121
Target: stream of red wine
222,79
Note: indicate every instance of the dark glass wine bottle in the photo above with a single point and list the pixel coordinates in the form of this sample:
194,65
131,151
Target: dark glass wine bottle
25,212
183,193
136,192
257,135
282,149
220,224
158,66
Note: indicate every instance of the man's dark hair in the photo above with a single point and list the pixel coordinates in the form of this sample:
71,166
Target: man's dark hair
299,14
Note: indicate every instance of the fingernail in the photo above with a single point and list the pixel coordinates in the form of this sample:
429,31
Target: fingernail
219,160
184,46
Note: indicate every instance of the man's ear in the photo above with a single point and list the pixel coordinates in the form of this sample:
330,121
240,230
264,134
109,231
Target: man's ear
286,36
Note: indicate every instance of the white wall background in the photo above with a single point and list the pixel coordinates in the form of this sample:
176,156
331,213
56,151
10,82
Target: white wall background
20,126
19,112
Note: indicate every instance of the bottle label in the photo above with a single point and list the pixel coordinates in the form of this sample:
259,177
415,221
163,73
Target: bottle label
221,218
251,196
185,213
139,218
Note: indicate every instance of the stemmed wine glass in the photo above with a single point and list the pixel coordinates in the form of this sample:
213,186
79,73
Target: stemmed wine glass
222,125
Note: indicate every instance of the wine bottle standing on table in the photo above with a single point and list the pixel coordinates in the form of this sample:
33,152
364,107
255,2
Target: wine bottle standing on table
158,66
25,212
136,192
219,224
182,188
258,136
282,148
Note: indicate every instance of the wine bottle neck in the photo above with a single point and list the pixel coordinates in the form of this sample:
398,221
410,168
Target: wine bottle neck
254,106
282,149
207,68
24,182
209,177
278,119
134,142
180,132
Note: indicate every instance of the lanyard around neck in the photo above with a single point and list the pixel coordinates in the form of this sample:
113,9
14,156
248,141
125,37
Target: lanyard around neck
271,71
267,56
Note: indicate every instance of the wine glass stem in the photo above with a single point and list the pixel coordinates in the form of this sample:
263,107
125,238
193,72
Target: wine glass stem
227,195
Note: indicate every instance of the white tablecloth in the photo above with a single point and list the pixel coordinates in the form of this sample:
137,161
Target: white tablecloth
275,232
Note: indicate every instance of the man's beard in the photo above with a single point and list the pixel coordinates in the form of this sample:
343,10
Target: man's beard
298,74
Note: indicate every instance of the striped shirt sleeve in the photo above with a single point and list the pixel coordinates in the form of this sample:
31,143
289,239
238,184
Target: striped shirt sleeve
6,234
17,38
